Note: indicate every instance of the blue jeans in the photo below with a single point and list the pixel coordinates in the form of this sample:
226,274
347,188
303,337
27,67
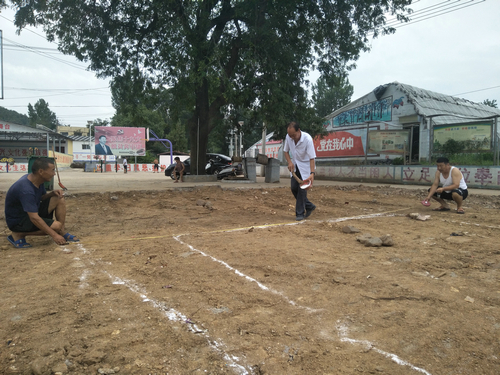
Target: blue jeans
302,204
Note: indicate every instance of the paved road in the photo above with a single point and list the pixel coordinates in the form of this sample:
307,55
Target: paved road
77,181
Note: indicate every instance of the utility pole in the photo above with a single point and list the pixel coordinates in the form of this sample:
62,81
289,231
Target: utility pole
263,152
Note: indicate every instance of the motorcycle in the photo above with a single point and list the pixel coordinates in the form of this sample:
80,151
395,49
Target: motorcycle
212,167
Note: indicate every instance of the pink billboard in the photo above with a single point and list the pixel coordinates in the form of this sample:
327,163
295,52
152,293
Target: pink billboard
113,140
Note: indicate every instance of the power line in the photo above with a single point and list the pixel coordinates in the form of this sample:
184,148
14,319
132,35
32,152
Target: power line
470,92
44,54
436,12
65,90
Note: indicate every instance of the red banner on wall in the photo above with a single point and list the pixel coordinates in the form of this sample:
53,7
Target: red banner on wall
339,144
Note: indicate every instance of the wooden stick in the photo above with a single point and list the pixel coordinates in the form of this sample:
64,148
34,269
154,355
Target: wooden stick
296,178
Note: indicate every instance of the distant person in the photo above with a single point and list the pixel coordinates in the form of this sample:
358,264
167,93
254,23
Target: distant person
125,165
453,186
29,209
179,169
156,167
101,148
301,145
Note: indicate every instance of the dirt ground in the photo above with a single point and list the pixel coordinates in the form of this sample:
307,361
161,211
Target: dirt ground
161,284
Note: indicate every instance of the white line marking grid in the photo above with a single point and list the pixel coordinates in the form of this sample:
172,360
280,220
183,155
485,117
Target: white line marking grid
231,360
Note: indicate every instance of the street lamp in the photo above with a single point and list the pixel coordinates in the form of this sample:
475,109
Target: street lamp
90,124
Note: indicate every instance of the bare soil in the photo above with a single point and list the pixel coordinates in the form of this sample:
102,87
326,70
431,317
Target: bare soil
161,284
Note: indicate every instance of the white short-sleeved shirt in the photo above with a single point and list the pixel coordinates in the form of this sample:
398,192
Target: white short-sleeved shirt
301,153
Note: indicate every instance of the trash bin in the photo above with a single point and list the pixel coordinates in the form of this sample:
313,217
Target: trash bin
49,185
250,166
272,171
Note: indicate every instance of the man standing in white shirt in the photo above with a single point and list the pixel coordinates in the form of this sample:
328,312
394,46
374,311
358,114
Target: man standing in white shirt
301,145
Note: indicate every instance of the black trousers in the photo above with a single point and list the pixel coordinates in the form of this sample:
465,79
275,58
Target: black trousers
302,204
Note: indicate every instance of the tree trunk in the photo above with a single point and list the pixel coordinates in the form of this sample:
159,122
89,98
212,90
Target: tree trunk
199,128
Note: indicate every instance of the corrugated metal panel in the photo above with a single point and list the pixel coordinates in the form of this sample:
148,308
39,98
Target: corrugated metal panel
80,138
430,103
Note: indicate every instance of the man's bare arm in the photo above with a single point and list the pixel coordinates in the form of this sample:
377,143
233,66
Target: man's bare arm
42,225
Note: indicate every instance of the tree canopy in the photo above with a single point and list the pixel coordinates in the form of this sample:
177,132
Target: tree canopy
9,115
218,54
328,98
491,103
41,114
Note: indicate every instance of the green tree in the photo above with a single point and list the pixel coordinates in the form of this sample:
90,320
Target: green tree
99,122
328,98
41,114
177,136
8,115
219,53
490,103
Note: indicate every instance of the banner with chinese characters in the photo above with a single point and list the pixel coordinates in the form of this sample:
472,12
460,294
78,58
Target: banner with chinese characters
388,141
341,144
110,140
463,132
475,177
21,152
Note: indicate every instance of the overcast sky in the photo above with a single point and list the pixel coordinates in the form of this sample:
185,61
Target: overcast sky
456,53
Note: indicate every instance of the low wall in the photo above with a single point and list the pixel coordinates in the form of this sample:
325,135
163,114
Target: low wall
110,167
485,177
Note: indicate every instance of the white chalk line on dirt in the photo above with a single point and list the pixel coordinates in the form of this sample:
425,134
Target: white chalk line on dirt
176,316
172,314
241,274
342,331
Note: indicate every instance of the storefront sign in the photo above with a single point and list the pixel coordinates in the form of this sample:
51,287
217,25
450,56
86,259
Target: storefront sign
463,132
388,142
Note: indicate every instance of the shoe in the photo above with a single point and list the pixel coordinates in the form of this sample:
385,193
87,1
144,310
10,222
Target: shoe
70,238
309,212
299,217
19,244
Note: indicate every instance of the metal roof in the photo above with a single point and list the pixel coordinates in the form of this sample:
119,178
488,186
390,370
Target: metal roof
80,138
443,109
438,106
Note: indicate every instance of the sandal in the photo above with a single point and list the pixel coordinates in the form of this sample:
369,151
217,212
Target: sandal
441,209
461,211
70,238
19,244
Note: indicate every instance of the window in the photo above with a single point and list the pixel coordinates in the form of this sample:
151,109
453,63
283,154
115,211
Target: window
85,147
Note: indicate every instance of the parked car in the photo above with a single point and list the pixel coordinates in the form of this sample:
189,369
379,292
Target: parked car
215,163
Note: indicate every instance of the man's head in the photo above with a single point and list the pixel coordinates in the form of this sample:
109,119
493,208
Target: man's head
177,159
443,165
293,130
44,168
102,139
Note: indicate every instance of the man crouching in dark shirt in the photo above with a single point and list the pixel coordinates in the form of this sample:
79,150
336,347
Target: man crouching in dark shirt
29,209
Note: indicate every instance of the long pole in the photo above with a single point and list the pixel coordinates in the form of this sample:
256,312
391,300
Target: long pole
429,122
198,149
262,168
235,142
367,140
496,140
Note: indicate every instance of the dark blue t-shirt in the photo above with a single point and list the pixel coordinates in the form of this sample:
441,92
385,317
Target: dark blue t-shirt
21,198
